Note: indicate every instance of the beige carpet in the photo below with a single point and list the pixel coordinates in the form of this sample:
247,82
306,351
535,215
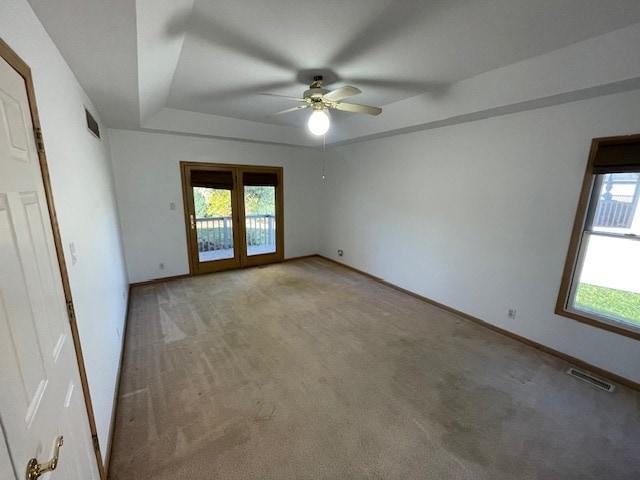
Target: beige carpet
306,370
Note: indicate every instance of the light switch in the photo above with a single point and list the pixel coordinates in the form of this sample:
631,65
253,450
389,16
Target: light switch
74,257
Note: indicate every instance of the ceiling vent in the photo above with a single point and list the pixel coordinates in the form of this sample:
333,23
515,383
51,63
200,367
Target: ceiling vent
92,124
587,377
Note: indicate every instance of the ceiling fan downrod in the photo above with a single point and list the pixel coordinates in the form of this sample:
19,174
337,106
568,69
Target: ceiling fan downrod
317,82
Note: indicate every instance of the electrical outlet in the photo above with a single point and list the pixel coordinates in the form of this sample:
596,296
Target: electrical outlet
340,253
511,313
161,266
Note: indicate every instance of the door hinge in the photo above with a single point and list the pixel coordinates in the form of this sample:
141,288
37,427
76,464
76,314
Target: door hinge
71,312
37,133
96,444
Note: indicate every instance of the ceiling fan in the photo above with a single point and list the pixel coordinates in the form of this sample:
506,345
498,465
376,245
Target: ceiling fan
321,99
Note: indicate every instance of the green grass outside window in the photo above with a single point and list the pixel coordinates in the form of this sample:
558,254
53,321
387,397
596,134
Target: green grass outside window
616,304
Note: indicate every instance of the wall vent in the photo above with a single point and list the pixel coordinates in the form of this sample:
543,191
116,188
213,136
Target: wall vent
92,124
587,377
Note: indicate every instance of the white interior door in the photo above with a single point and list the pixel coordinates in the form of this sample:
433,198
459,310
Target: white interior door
41,396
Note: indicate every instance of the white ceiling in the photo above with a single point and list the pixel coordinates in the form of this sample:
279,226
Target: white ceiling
199,66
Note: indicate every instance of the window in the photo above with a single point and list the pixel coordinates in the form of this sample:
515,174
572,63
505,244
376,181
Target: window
601,281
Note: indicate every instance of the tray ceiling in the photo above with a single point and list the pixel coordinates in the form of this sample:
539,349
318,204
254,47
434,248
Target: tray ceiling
199,67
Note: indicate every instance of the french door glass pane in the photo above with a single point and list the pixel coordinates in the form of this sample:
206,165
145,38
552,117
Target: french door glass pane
260,219
213,223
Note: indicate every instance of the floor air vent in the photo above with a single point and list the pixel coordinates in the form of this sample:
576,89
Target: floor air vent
587,377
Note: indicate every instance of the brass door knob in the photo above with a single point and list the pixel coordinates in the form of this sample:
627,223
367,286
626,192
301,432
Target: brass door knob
35,469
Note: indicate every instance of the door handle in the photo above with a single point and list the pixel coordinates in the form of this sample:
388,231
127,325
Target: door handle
193,222
35,469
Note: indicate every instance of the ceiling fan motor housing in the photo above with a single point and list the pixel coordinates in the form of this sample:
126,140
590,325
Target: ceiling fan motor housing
315,93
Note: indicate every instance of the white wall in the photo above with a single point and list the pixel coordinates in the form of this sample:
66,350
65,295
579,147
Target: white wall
147,174
84,197
478,216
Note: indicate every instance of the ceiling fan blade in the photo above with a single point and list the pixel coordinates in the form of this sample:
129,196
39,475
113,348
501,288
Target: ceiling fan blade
352,107
387,26
343,92
413,86
299,107
236,38
235,92
284,96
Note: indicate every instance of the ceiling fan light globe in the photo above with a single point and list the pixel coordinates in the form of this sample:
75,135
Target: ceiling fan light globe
318,122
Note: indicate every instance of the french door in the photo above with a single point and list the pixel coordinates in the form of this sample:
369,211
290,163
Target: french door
233,215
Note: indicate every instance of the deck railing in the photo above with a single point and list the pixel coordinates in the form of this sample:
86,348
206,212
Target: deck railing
216,233
616,212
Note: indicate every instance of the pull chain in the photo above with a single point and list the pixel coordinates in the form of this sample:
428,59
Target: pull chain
324,146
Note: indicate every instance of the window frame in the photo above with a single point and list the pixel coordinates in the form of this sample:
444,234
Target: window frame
576,254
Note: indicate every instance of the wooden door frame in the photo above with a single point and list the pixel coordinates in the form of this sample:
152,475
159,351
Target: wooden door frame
14,60
278,256
239,233
194,265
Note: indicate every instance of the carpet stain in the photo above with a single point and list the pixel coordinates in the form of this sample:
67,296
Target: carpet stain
473,416
231,339
265,412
